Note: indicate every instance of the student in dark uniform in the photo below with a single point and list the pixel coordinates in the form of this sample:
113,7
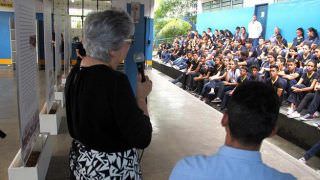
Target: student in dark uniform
275,81
305,85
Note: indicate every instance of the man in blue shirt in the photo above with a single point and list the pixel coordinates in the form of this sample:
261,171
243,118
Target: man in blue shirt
251,117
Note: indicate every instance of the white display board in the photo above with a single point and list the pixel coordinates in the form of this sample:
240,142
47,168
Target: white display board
59,44
26,74
67,44
48,51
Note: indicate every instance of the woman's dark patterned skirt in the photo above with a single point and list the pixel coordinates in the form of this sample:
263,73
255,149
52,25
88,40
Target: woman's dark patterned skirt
90,164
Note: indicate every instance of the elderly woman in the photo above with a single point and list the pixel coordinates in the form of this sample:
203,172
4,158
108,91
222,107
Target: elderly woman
106,121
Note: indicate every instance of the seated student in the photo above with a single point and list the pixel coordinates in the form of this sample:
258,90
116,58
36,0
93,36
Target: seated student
273,38
292,53
262,48
191,84
254,75
280,63
191,69
281,42
219,73
229,83
251,117
299,39
205,72
182,62
275,81
306,84
265,66
311,101
312,37
241,79
304,56
291,75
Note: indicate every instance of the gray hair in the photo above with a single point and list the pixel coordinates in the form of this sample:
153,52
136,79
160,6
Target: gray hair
105,31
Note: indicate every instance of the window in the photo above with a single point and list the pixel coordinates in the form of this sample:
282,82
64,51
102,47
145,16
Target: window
76,22
225,4
221,4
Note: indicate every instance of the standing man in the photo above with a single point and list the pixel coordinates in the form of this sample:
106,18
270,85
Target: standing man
255,30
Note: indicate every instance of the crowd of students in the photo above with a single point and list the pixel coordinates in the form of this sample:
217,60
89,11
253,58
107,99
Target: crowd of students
215,63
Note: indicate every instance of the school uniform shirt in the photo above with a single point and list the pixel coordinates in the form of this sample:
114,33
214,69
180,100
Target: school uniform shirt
308,41
241,80
297,41
307,80
296,70
275,84
256,78
228,164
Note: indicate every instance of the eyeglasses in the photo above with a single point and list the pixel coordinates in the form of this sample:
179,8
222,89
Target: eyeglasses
130,39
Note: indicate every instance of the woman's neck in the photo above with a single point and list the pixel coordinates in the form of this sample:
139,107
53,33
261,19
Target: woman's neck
89,61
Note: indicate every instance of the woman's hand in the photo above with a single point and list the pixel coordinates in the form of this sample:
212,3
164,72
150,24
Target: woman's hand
143,88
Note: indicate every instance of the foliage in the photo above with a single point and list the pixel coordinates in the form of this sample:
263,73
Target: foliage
169,9
173,28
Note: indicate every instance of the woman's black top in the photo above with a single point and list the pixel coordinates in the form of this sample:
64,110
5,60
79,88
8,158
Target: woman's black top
102,112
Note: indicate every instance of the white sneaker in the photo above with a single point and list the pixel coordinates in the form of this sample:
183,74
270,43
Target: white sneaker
295,114
212,91
290,111
176,67
303,160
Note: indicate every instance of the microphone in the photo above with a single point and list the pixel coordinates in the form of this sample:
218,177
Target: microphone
139,60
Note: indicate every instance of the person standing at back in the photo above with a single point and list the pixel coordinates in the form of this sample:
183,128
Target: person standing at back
255,30
251,117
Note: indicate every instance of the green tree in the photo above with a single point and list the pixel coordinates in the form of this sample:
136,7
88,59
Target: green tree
168,9
173,28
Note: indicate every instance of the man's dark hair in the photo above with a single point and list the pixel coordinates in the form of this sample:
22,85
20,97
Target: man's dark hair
244,68
253,112
237,28
254,67
291,61
274,66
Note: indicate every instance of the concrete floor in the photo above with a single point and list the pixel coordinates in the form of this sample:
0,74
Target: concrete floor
182,125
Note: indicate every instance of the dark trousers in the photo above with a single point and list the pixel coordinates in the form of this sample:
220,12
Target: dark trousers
225,100
315,103
223,89
305,102
191,81
296,98
199,85
290,83
311,152
183,79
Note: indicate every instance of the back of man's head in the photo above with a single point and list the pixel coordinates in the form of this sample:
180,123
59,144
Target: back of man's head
252,113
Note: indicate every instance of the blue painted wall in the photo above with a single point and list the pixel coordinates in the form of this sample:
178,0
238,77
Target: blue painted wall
139,46
287,15
224,19
291,15
149,39
5,49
